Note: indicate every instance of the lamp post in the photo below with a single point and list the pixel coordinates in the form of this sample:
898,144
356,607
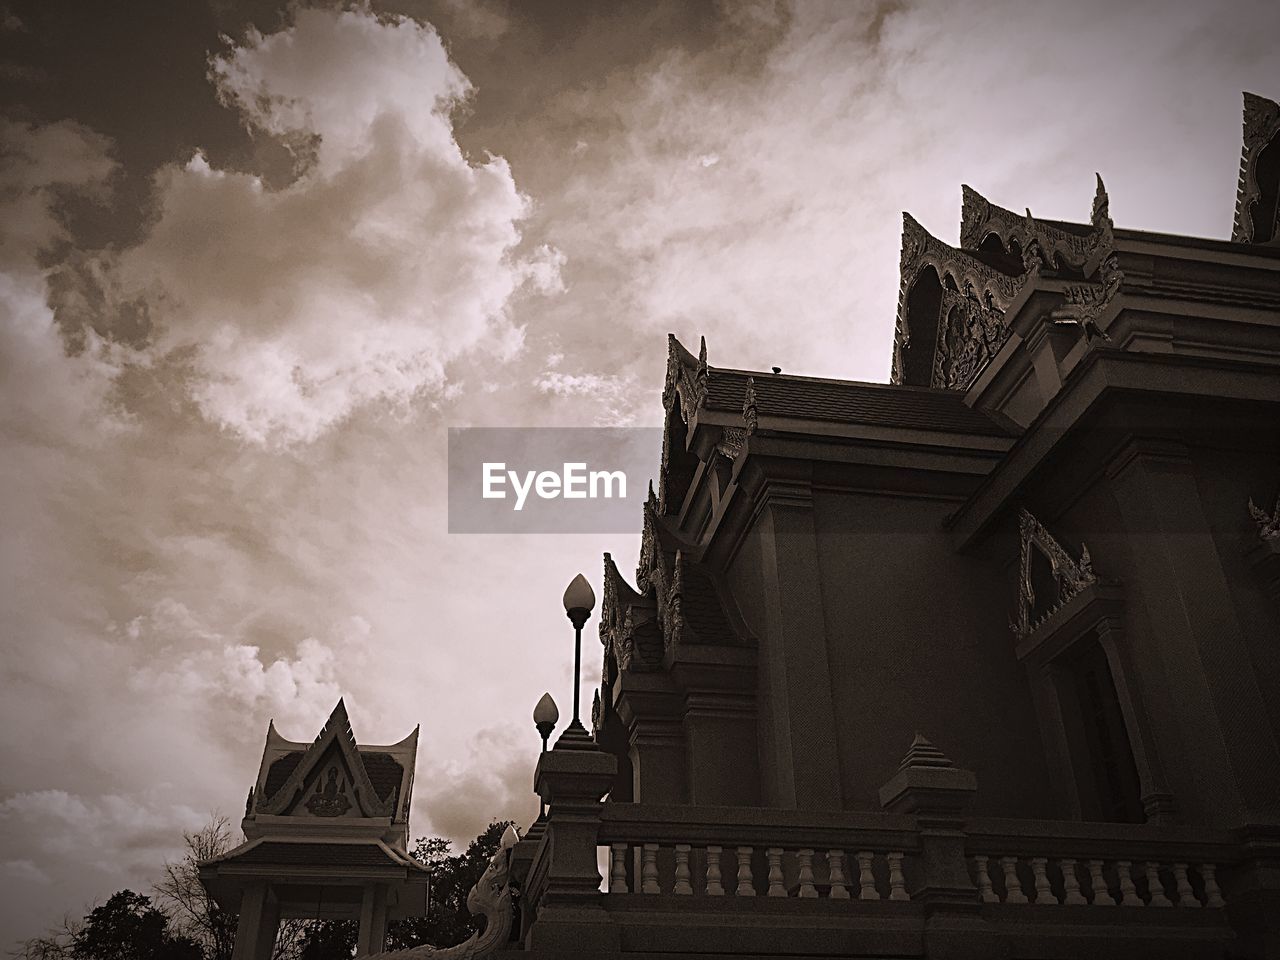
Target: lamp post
579,600
545,715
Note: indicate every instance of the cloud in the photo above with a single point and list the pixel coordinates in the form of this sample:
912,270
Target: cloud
39,382
388,256
492,780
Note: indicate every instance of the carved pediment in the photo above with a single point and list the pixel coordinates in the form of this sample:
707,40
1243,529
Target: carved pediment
1041,244
686,377
1261,129
1067,575
972,296
976,296
329,780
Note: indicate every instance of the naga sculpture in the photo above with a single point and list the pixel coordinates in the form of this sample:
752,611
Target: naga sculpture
490,898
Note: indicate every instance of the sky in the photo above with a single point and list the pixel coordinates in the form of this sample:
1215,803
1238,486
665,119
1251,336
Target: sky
256,259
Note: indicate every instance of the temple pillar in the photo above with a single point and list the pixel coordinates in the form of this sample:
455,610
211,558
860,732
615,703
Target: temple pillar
717,687
1158,803
565,880
1195,633
650,709
793,653
373,920
258,923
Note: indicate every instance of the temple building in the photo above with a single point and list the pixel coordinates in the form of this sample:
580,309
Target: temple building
983,662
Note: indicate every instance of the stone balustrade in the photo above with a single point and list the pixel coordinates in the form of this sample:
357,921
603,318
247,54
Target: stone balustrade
1072,881
1097,864
733,852
714,870
737,852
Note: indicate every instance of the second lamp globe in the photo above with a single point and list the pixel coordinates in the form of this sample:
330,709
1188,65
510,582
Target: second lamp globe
579,598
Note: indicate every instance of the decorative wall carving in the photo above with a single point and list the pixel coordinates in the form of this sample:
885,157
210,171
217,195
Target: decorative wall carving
1070,576
330,798
1261,126
969,336
1268,526
731,442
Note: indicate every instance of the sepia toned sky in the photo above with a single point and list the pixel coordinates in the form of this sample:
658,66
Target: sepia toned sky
256,258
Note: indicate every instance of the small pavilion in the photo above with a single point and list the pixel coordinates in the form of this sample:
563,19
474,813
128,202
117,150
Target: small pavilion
326,837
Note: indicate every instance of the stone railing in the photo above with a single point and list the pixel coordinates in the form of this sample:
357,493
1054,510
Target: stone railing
742,852
761,880
1098,864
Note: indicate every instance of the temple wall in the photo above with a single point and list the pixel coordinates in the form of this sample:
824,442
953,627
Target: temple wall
919,641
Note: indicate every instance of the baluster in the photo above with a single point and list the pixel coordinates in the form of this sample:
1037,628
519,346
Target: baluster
1071,884
1212,895
1044,891
985,890
866,879
1128,892
897,882
1155,887
745,887
774,856
1012,885
618,869
1098,886
715,888
1186,896
649,871
805,876
839,883
682,885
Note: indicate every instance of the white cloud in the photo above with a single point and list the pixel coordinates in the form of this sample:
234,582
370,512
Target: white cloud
389,256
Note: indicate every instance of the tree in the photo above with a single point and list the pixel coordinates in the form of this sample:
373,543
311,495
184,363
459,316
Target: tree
128,927
196,914
447,922
182,894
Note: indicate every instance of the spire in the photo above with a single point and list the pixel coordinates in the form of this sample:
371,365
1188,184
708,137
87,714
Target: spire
923,753
1261,130
750,407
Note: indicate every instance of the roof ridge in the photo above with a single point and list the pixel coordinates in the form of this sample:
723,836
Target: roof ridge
765,376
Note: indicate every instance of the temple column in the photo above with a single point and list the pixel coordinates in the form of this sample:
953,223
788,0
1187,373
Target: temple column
564,879
1157,801
793,653
649,707
373,920
717,687
1194,632
258,923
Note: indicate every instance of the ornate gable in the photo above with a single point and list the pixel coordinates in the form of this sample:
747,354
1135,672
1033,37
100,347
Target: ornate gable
1069,576
686,377
960,324
1039,244
329,779
682,396
1261,130
964,328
